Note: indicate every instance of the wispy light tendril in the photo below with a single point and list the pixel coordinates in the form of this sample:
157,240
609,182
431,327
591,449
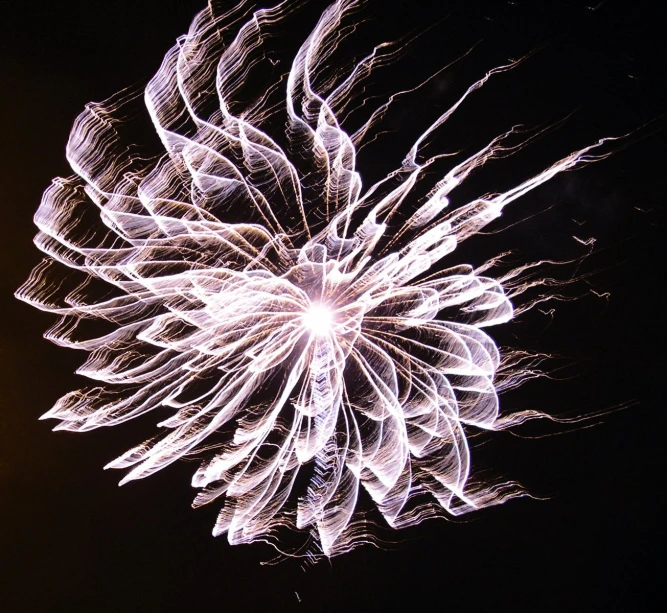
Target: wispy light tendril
319,338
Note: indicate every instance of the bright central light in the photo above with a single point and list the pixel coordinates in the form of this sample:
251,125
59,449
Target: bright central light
318,319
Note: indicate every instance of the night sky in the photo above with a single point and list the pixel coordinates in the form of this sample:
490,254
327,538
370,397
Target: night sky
71,540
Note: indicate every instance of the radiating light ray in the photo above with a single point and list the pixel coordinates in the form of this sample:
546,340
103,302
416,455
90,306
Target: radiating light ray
308,338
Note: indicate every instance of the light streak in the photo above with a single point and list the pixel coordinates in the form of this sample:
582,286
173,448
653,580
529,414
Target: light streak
312,332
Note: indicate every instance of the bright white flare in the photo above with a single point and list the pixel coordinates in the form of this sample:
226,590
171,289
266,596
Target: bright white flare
219,326
318,319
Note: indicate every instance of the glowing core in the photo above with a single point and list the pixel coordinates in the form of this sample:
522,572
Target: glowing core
318,319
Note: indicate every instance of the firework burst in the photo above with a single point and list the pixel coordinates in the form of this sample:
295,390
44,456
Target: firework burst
319,339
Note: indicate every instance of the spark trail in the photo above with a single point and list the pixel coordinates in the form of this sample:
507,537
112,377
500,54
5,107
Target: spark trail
308,340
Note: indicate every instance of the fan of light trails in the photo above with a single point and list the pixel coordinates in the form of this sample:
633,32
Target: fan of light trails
308,339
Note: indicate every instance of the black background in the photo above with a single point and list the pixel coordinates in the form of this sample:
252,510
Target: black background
70,540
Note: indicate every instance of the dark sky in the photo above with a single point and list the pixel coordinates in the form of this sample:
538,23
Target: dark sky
71,540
